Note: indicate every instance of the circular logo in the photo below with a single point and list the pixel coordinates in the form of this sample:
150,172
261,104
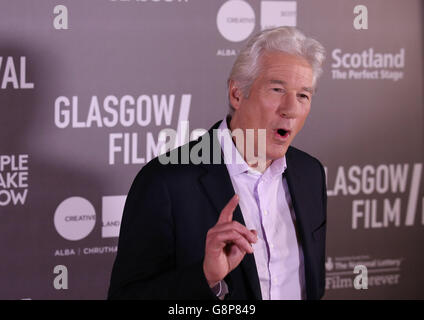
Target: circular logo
235,20
74,218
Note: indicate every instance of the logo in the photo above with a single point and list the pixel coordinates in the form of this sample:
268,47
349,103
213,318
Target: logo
123,112
235,20
13,179
383,196
12,77
368,65
112,208
341,271
278,14
329,265
75,218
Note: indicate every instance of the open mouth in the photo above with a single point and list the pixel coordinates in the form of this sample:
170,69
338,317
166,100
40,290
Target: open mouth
282,133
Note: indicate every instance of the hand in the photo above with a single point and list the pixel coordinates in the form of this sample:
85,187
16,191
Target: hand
226,244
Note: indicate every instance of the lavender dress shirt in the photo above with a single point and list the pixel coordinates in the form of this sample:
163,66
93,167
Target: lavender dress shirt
266,207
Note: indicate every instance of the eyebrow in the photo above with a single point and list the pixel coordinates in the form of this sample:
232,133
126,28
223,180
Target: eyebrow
308,89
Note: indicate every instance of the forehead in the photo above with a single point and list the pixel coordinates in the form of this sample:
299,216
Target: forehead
285,67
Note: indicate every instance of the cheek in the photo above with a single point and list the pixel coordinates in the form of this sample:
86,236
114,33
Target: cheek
265,100
303,116
271,103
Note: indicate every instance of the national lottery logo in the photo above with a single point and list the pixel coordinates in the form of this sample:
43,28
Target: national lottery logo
380,271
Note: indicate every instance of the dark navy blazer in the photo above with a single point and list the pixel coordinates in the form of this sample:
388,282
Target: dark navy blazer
169,210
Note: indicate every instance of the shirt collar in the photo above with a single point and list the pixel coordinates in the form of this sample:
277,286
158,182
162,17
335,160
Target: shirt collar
232,157
239,166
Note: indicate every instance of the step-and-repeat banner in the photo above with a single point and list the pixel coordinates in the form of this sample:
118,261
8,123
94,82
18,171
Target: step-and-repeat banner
86,87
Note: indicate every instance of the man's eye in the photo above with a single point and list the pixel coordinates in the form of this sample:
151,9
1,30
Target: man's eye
278,89
304,96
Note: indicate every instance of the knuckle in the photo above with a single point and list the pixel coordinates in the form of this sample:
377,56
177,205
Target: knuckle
236,235
239,227
235,225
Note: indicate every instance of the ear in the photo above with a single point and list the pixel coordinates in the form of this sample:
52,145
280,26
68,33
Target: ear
235,94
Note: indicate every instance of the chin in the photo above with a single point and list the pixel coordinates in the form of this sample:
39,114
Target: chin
278,153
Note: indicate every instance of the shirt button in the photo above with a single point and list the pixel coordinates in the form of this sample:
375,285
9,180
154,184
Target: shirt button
266,212
272,246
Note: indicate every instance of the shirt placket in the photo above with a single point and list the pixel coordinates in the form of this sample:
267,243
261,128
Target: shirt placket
266,225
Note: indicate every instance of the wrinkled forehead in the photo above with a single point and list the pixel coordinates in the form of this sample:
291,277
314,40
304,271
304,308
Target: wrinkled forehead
287,68
284,57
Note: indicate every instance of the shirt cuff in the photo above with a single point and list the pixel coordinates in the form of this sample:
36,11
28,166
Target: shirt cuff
220,289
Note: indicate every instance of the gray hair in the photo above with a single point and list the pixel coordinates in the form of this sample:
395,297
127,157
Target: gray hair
282,39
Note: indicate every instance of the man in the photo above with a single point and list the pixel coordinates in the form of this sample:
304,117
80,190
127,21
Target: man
247,229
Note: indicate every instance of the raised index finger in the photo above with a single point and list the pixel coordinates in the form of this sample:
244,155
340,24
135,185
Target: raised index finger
227,213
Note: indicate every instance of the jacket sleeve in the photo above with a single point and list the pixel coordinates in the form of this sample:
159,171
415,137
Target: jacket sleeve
145,266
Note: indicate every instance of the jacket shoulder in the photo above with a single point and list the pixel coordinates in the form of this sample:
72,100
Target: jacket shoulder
302,158
173,164
180,159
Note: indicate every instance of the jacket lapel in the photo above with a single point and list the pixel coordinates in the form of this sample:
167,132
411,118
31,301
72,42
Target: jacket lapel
300,197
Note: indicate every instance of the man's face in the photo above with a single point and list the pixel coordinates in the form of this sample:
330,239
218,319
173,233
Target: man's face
279,101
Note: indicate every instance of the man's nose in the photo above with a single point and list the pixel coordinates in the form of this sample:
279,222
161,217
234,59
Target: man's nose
288,105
